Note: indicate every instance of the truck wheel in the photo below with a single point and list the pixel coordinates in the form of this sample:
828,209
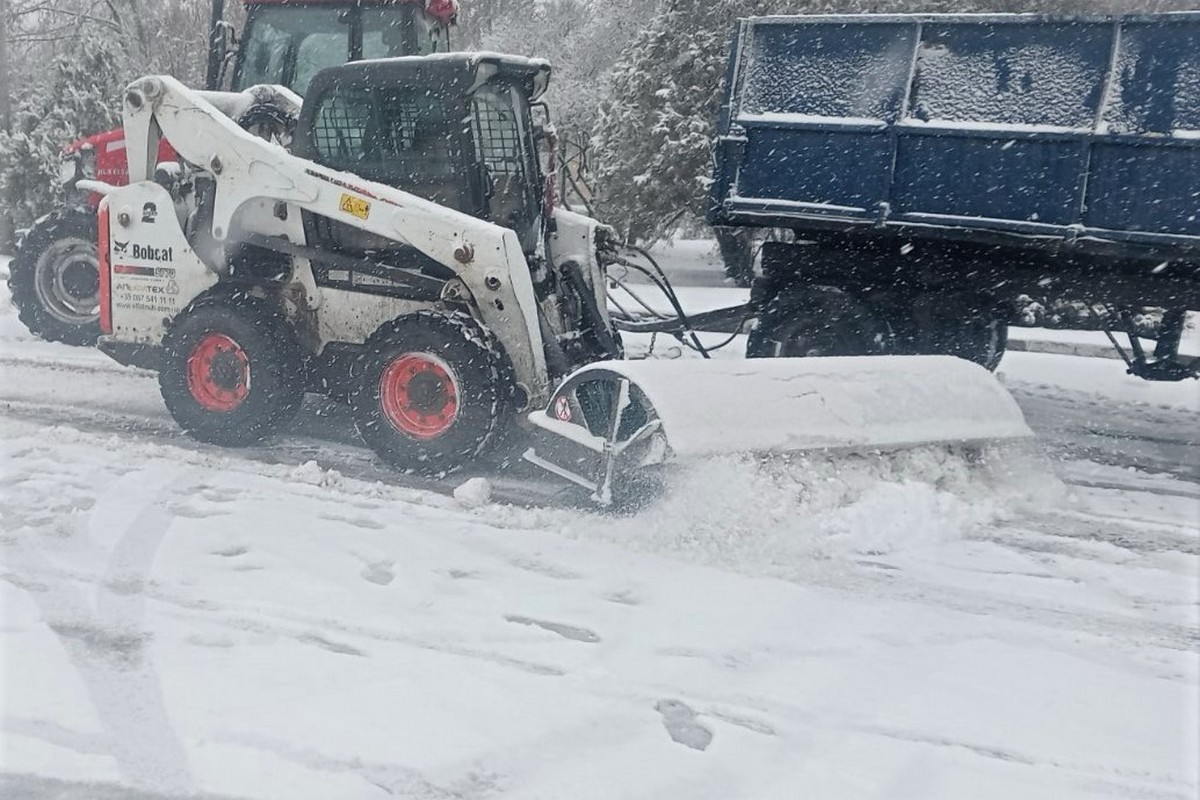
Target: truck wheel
968,326
433,393
55,278
816,321
231,371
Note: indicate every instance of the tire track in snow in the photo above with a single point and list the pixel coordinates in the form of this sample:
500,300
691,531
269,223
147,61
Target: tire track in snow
877,585
122,400
340,451
972,602
307,629
109,646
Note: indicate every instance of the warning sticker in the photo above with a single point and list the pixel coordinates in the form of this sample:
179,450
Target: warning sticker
355,206
562,408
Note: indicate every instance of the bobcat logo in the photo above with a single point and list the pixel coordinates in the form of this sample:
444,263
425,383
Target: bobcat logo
119,248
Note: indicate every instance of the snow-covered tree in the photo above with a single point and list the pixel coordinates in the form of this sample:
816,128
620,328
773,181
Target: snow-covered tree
654,130
80,98
65,64
582,39
653,135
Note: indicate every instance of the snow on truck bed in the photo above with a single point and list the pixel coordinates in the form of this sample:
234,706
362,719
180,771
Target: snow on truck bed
178,619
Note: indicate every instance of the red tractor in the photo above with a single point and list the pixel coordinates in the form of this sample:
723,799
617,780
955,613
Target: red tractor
54,275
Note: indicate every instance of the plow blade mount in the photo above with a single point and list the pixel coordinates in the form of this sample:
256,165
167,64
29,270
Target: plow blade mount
610,423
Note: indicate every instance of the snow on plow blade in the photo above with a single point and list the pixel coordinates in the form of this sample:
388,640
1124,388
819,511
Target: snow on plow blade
611,420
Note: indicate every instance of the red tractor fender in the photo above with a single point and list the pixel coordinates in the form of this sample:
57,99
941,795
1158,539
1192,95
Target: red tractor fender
112,163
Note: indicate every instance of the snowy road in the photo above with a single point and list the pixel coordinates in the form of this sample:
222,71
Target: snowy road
296,622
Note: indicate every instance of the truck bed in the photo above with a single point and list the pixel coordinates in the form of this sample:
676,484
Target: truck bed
1076,134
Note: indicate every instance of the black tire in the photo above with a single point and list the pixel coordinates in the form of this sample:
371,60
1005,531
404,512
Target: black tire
54,278
968,326
269,123
816,321
232,372
433,393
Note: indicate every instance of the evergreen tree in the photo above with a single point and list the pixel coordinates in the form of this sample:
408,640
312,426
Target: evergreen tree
652,141
653,137
82,97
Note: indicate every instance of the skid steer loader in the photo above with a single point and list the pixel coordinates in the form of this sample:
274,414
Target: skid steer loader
405,255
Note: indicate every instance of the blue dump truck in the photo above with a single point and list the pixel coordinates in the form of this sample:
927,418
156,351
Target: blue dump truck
933,169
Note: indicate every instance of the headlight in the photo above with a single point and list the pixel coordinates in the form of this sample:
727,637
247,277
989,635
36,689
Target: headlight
68,168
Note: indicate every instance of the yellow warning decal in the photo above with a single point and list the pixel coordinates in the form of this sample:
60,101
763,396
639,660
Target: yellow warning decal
355,206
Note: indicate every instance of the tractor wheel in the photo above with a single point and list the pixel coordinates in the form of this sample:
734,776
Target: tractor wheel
816,321
231,371
433,393
269,123
54,278
964,325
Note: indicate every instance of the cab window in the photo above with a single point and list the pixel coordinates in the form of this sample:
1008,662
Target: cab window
398,136
288,46
501,120
400,31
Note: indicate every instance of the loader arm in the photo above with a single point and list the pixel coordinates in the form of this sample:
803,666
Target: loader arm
258,183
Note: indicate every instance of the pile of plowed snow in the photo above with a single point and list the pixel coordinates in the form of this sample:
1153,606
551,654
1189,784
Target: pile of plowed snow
779,516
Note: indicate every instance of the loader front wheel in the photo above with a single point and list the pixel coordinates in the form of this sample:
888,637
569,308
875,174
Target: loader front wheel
433,393
231,371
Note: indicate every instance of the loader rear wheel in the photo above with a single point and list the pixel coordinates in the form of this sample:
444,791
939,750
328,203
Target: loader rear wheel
433,393
55,278
816,321
231,371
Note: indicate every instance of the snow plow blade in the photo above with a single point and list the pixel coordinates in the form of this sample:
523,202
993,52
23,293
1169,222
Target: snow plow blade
610,423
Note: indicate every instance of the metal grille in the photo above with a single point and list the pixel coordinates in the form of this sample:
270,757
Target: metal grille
401,121
340,128
402,129
496,136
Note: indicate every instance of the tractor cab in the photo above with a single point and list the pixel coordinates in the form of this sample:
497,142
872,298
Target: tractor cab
456,129
287,42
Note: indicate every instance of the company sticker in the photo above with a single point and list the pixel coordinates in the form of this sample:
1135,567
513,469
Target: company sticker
355,206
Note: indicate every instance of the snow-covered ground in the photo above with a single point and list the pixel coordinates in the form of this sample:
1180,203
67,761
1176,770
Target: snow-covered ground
296,622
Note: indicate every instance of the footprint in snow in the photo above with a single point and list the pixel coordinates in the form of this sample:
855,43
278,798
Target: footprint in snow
745,722
331,646
192,512
379,572
220,495
566,631
365,523
680,721
624,597
544,568
232,552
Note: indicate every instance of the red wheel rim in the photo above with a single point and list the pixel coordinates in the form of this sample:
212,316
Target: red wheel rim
419,396
218,373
